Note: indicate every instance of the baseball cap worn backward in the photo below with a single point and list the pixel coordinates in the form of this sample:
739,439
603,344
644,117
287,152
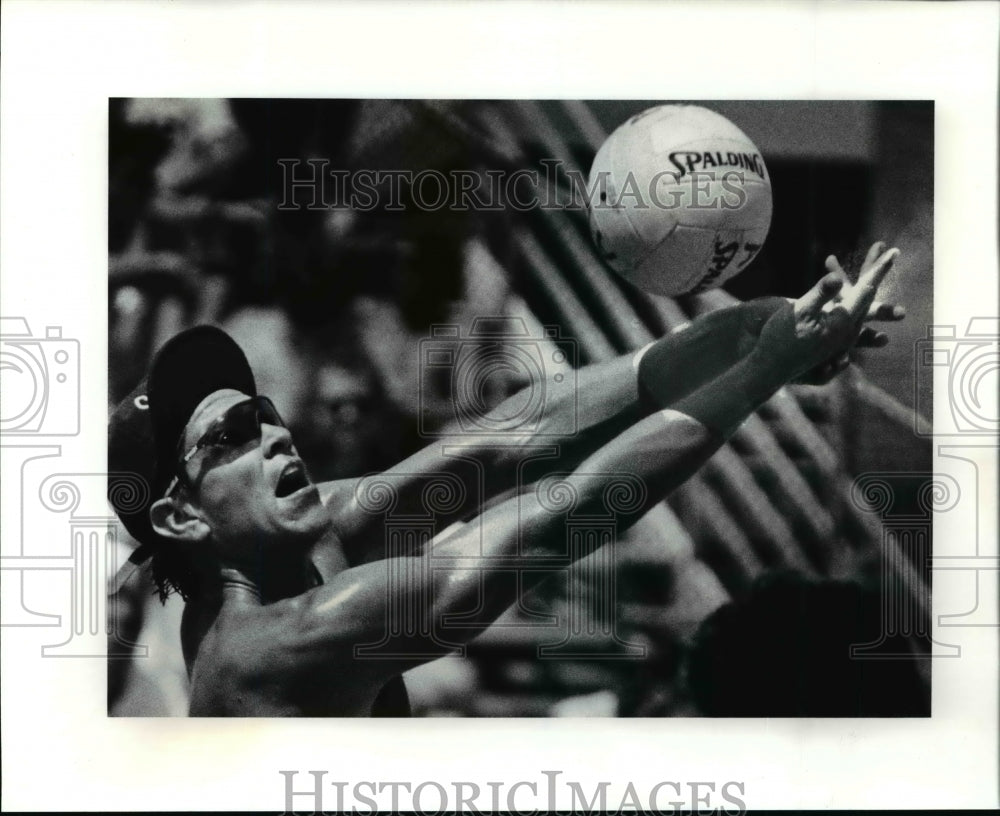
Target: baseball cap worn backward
132,466
146,426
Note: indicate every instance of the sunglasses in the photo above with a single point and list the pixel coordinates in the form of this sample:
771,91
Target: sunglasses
235,429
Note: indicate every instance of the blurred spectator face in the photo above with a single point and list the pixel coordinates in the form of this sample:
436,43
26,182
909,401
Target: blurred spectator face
350,428
345,398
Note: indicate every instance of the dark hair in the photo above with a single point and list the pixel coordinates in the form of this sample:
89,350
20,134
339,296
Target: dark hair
173,571
785,651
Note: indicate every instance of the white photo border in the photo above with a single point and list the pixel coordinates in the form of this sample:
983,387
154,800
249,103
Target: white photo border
61,63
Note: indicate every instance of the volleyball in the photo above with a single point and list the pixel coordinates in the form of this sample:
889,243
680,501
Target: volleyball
680,200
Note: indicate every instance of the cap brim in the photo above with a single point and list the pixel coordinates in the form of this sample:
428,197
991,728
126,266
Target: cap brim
191,366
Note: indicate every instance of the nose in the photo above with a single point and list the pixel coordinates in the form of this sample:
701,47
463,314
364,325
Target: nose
274,440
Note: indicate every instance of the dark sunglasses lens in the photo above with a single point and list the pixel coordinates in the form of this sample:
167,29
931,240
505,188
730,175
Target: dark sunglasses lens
238,427
268,413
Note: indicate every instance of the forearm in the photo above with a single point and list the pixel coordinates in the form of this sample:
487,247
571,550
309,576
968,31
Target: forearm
681,363
723,404
515,545
665,449
612,396
623,480
607,400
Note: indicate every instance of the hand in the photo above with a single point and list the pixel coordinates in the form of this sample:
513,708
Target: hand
868,337
814,336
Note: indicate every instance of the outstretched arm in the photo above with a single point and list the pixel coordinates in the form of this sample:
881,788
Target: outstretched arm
473,568
609,398
402,603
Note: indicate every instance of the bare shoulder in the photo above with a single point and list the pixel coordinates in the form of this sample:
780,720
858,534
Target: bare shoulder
277,660
339,499
339,493
306,629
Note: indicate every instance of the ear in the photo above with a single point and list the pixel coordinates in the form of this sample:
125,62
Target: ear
175,519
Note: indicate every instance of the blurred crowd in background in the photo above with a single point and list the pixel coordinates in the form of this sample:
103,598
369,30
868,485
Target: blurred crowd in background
331,305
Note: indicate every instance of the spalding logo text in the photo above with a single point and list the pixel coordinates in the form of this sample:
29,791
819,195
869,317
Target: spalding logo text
687,161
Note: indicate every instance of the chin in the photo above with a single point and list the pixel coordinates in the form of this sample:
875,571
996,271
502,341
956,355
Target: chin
305,515
311,520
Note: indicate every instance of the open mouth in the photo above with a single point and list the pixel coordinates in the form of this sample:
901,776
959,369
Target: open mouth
293,478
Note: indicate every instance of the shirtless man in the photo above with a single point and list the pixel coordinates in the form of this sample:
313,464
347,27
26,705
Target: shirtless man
284,580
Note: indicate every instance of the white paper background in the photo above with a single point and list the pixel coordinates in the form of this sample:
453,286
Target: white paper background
61,61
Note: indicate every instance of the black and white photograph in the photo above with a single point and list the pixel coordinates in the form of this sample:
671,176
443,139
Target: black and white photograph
520,408
499,407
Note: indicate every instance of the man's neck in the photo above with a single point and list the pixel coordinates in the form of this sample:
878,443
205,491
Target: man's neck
269,580
234,586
